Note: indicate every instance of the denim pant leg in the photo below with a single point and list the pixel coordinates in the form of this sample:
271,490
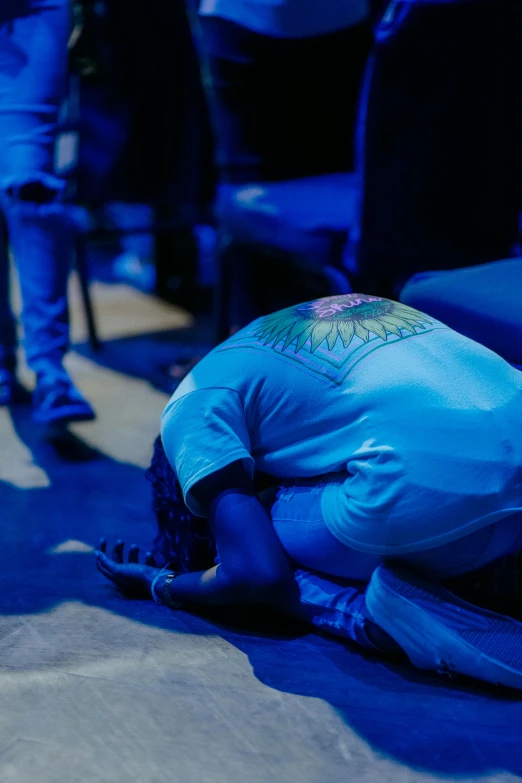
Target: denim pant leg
33,70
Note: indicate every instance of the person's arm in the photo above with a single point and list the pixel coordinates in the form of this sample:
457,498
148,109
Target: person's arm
202,429
254,568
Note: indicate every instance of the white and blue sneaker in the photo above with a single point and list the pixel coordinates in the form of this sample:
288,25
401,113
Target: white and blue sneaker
439,631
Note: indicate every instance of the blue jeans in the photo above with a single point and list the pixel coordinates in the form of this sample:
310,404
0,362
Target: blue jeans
33,73
332,578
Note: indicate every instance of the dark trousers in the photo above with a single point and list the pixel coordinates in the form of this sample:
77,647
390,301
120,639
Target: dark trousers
283,108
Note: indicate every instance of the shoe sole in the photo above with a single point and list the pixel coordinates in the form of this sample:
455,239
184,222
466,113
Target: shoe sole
430,625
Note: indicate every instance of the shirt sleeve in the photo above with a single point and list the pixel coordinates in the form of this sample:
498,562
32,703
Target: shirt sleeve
203,432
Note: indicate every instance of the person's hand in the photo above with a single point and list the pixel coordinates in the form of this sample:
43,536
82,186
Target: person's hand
132,577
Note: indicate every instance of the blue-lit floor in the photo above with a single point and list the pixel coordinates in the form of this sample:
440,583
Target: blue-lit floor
98,688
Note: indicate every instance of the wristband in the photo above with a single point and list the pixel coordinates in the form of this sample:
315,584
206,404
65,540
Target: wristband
165,598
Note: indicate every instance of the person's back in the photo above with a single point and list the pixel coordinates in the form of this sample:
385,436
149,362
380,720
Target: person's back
418,424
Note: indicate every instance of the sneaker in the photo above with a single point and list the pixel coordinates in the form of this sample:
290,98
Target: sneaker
439,631
59,402
7,386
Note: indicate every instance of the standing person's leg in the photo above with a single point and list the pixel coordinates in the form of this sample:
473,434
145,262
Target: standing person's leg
231,53
283,109
32,87
274,98
437,139
310,98
230,56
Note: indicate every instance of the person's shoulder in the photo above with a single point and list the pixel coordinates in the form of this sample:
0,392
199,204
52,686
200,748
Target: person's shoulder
191,396
212,371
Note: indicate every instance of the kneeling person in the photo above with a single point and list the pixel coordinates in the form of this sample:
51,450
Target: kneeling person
386,436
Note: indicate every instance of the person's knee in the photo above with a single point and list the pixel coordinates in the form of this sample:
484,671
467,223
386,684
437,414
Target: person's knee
37,214
37,189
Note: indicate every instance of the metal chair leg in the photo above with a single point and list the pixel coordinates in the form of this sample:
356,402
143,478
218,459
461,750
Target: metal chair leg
81,267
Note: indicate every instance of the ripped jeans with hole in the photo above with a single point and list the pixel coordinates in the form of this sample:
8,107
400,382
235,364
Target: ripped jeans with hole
33,84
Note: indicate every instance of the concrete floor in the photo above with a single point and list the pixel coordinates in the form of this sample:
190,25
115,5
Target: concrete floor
97,688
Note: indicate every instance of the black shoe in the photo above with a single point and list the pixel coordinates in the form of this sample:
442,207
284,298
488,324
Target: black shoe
59,402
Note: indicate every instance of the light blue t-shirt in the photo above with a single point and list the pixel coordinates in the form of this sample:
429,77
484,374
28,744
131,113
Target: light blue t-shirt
289,18
421,427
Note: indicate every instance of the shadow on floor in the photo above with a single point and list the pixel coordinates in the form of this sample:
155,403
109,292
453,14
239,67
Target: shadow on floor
147,356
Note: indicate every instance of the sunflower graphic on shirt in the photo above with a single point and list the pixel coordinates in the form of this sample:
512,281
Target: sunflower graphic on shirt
338,318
